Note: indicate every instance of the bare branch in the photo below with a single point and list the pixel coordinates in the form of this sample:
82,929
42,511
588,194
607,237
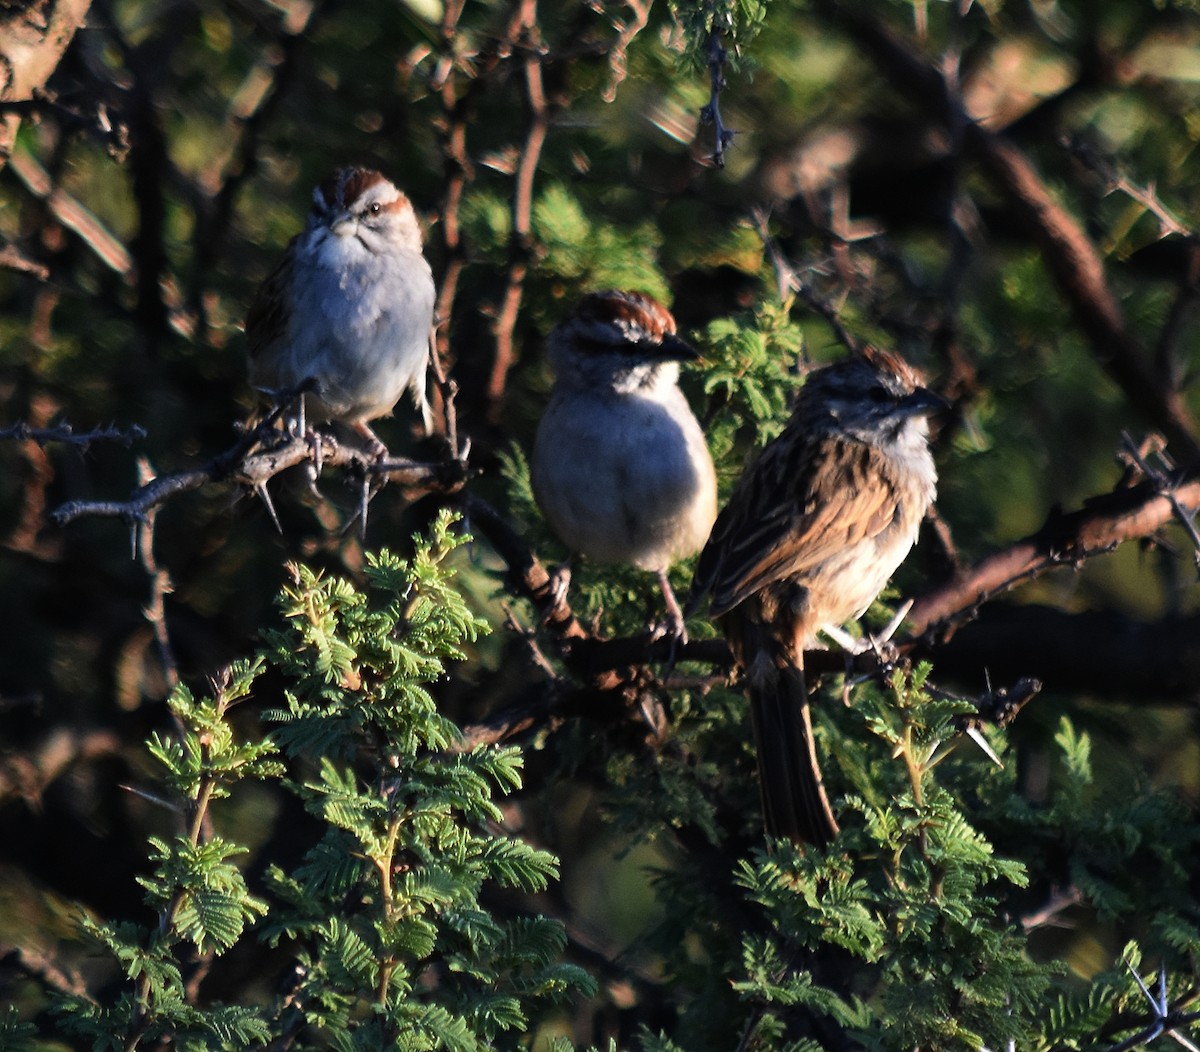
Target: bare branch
68,211
1069,255
626,31
1066,539
520,241
12,258
22,432
33,38
710,113
260,455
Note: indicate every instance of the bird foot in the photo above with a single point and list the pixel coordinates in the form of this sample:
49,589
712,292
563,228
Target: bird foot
669,627
372,446
559,584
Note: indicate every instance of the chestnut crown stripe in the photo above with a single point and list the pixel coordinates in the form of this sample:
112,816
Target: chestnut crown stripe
348,185
607,321
893,365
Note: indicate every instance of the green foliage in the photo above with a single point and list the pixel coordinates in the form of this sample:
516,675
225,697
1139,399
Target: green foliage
740,21
752,372
392,947
905,931
16,1035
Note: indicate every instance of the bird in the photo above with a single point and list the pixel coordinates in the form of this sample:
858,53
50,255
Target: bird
349,308
810,535
620,467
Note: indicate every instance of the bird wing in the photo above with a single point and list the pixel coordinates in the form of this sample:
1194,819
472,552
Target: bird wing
266,320
780,520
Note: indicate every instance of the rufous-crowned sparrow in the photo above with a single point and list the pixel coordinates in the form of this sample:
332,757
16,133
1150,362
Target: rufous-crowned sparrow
350,306
620,467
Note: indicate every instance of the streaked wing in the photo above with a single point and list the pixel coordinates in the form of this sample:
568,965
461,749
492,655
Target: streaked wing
779,521
267,318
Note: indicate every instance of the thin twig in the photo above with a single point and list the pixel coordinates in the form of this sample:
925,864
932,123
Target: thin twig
788,281
520,241
626,31
68,211
22,432
710,113
155,610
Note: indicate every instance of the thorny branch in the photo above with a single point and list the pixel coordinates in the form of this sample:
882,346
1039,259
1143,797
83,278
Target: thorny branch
607,665
261,454
248,117
1163,485
1165,1019
22,432
710,113
1065,539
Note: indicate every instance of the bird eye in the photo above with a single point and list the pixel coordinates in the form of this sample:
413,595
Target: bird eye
375,208
879,394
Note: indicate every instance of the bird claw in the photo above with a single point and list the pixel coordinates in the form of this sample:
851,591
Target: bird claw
559,584
669,627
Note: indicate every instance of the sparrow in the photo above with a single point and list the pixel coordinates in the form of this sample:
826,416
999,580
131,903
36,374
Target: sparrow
620,467
812,532
349,307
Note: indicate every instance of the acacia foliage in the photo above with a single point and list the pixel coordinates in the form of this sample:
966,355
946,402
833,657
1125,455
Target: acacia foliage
1002,192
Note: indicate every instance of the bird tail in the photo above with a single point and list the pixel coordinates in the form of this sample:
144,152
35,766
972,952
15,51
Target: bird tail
793,795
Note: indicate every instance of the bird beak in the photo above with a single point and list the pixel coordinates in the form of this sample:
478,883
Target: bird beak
343,226
672,348
923,402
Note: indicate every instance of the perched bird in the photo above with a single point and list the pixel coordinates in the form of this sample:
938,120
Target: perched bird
620,467
350,306
811,534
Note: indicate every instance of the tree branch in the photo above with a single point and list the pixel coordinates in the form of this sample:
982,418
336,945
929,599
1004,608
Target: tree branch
33,38
1067,539
1069,255
246,465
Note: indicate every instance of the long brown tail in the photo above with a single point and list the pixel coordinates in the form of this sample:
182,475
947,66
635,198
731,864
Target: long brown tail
793,796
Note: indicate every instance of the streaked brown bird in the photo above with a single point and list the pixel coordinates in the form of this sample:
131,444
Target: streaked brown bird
811,534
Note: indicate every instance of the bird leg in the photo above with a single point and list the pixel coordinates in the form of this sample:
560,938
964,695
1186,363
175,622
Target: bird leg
376,450
675,626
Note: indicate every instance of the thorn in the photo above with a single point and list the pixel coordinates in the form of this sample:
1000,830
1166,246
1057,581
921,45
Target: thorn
897,620
364,498
261,491
976,735
160,801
